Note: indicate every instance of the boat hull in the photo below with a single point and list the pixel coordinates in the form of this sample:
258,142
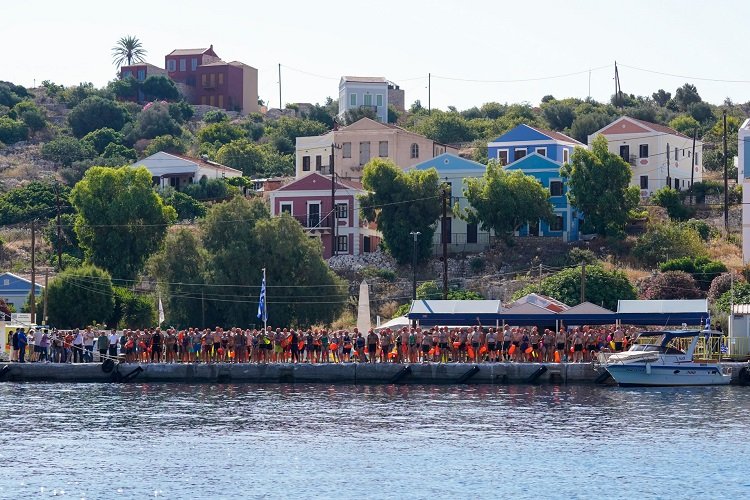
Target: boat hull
638,374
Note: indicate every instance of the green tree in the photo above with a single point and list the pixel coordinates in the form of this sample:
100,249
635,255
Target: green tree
290,128
685,124
354,115
180,268
68,239
685,96
401,202
186,206
559,114
125,153
661,97
211,190
444,127
128,49
94,113
215,116
121,220
739,294
669,199
80,297
101,138
503,201
181,111
663,242
132,310
11,94
124,88
586,124
167,143
153,121
66,150
12,131
599,187
30,114
603,287
670,285
243,155
35,200
702,269
160,88
220,133
702,112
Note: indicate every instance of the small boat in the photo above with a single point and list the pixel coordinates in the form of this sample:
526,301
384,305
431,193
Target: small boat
666,361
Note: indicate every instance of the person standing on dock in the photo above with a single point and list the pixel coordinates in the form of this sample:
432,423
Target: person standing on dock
88,345
102,344
22,342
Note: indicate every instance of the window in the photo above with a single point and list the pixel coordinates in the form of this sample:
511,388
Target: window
677,184
644,182
193,63
379,100
347,150
541,151
502,157
212,80
625,152
352,99
286,208
342,210
415,150
306,163
211,100
171,66
221,100
6,282
676,152
183,64
221,78
696,158
519,153
318,162
203,100
342,243
555,188
364,152
643,151
127,73
557,223
141,75
472,233
368,100
383,149
566,155
204,80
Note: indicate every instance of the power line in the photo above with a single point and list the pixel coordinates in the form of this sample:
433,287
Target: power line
521,80
684,76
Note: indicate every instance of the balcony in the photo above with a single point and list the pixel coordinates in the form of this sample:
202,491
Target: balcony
368,107
315,223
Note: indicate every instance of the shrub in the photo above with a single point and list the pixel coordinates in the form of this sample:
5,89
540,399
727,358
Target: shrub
12,131
701,227
222,132
166,143
477,264
94,113
181,111
702,269
153,121
119,151
670,199
700,189
740,294
160,88
663,242
214,189
670,285
30,114
579,255
215,116
376,272
101,138
66,150
722,284
187,207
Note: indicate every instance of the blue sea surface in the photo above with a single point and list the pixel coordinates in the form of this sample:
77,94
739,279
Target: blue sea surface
318,441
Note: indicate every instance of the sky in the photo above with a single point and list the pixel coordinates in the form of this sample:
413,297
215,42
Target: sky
477,51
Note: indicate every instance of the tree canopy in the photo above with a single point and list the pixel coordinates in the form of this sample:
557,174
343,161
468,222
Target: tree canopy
503,201
599,186
94,113
80,297
402,202
121,220
128,49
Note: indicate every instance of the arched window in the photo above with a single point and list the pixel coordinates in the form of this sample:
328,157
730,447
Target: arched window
415,150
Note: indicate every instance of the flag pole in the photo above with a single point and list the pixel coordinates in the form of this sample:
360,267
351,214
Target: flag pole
265,302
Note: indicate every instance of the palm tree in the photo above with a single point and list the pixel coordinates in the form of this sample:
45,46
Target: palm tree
128,49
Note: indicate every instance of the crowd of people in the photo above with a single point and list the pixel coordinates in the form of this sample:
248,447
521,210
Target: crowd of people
289,345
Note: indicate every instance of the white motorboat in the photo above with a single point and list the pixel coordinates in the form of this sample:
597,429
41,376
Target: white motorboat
666,361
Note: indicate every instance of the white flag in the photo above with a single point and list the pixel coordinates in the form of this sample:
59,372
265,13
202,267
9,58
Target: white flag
161,311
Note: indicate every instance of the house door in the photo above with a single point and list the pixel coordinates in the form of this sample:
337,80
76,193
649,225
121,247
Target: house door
366,244
534,228
364,152
471,233
625,152
313,215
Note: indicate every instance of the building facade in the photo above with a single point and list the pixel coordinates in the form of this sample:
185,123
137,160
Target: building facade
455,171
358,92
16,290
358,143
341,231
743,178
540,153
177,171
659,155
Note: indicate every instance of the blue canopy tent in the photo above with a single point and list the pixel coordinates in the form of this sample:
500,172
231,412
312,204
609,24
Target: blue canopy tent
663,312
455,312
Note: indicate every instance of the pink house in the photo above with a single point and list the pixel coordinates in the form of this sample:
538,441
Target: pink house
341,231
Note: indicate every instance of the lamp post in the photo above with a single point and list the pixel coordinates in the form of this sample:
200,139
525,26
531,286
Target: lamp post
415,234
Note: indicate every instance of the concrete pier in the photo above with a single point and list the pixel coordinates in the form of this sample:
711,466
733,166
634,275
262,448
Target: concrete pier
345,373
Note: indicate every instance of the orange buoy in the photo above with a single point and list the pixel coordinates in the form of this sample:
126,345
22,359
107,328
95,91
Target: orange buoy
334,346
529,350
512,349
483,349
470,350
431,352
557,356
456,345
301,345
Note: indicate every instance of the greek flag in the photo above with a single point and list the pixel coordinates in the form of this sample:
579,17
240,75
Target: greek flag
724,349
262,311
708,322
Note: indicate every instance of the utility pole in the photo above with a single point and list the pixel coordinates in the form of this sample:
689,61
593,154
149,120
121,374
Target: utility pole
583,282
692,166
618,89
444,241
281,106
46,282
429,93
726,181
539,285
32,300
334,215
59,228
669,178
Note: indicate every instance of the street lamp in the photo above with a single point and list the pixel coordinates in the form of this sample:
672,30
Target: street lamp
415,234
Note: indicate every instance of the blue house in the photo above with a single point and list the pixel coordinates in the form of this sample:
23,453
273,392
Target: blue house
15,290
540,153
454,170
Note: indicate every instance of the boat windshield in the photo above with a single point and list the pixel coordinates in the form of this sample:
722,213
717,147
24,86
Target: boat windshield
654,344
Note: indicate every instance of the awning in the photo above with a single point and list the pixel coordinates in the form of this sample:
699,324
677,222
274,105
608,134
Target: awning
455,312
663,312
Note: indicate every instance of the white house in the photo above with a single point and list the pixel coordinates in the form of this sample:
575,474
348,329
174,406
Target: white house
743,177
659,155
357,92
177,170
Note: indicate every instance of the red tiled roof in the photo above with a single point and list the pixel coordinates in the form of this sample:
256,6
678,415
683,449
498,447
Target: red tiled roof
188,52
556,135
201,161
660,128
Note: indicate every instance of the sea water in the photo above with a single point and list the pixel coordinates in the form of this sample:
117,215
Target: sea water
341,441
